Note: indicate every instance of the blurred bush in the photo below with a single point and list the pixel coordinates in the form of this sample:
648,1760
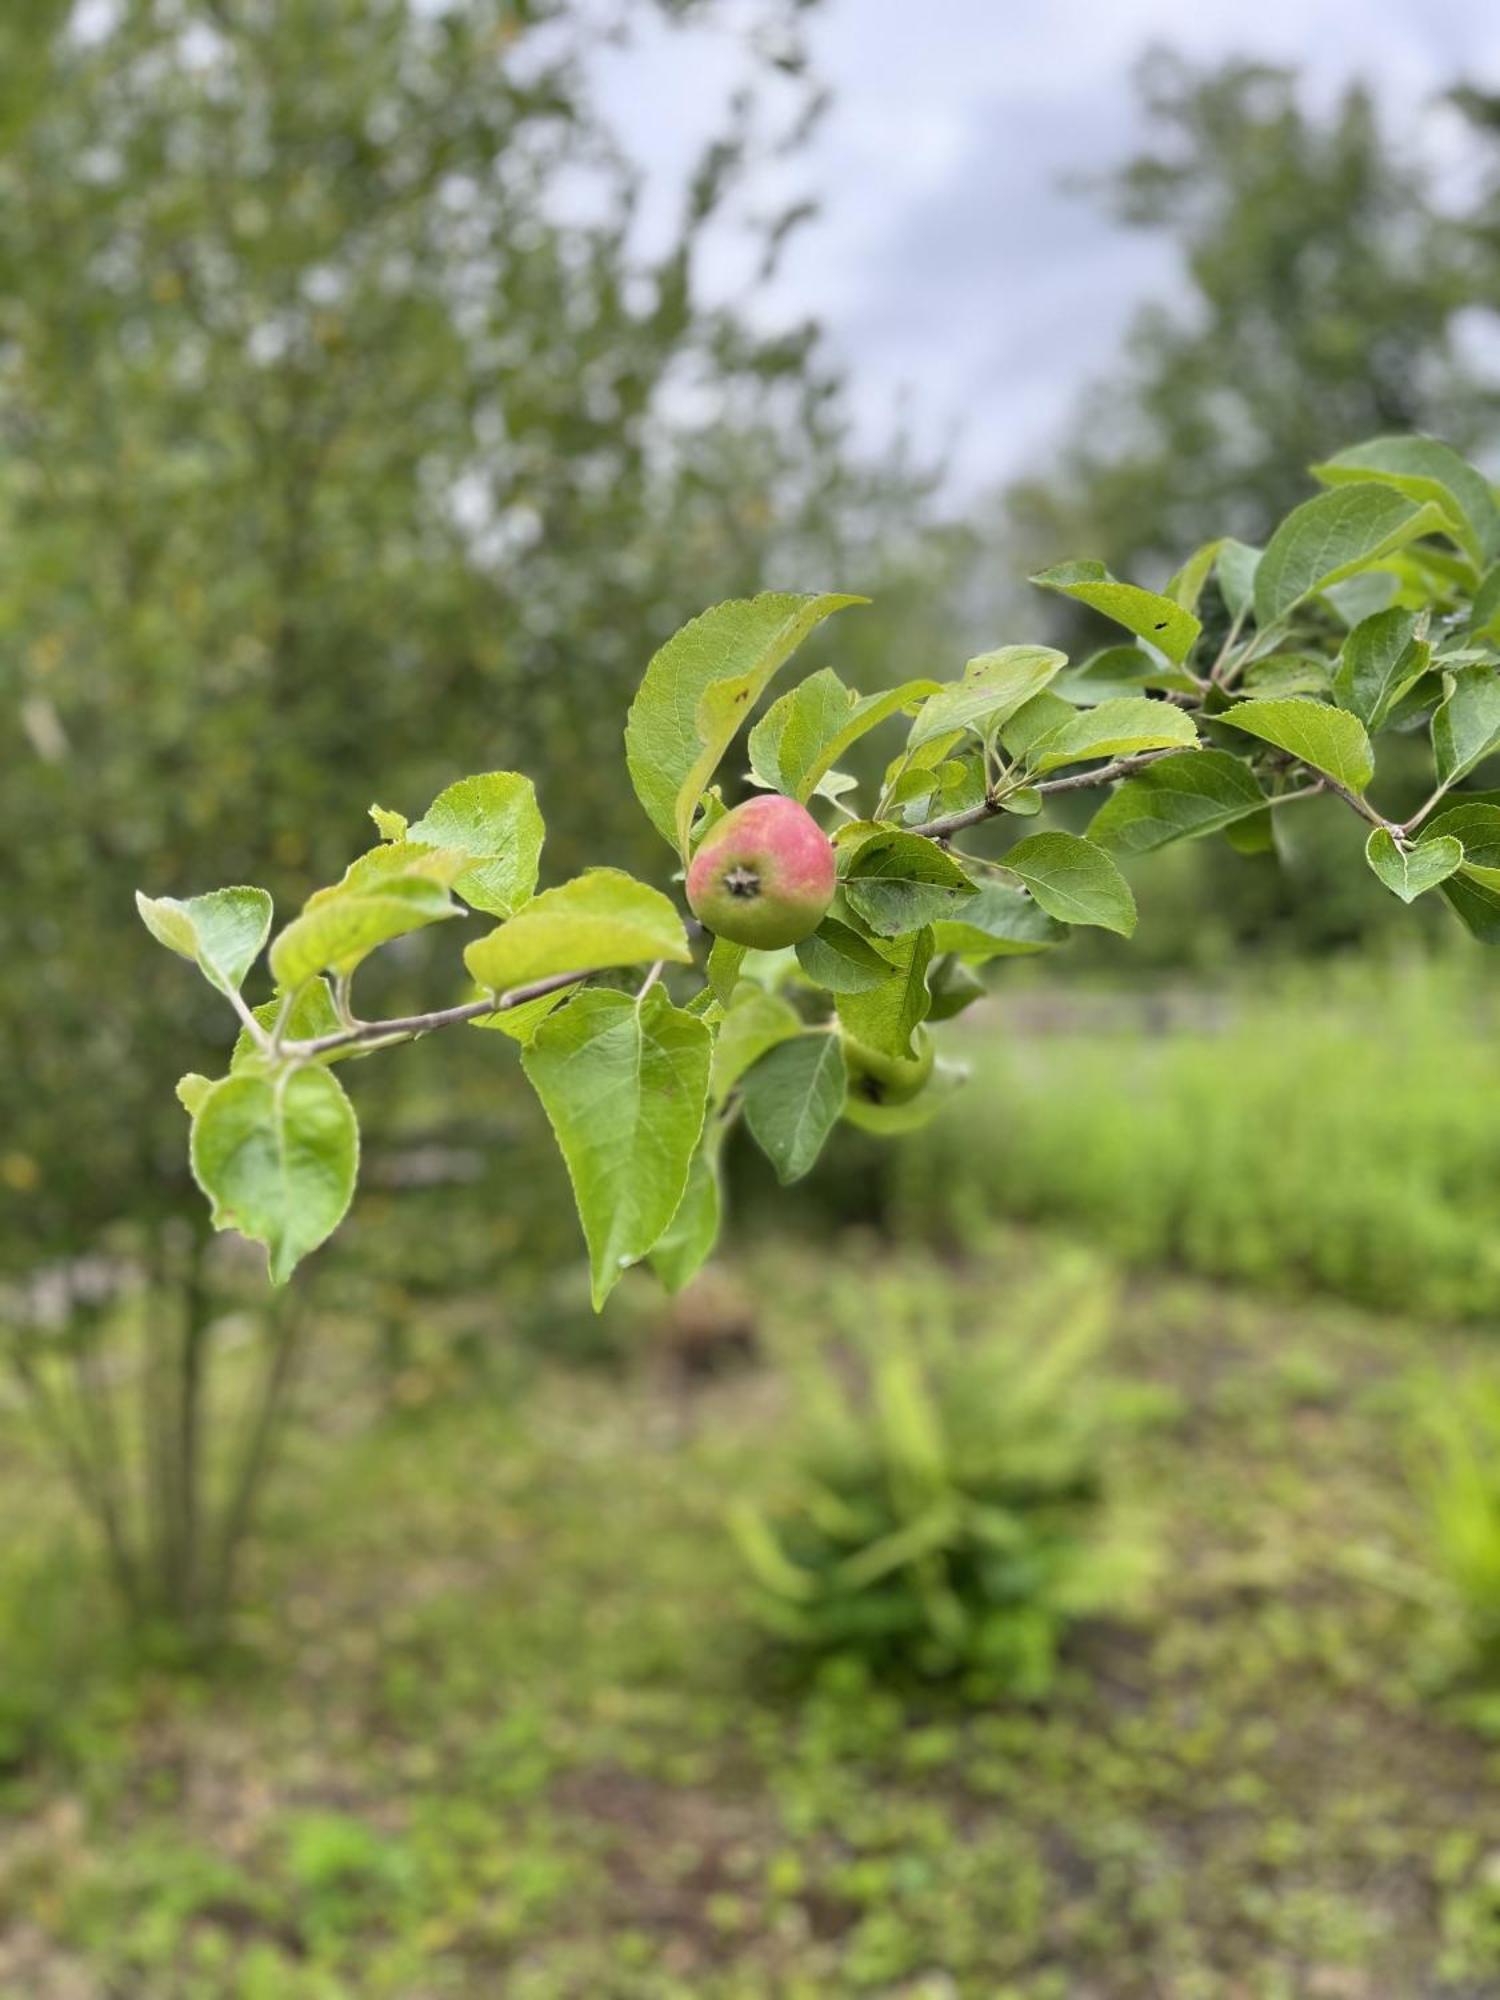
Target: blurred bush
1331,1129
1455,1462
947,1506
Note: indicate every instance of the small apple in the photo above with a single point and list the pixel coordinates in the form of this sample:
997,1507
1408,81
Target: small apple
764,875
878,1078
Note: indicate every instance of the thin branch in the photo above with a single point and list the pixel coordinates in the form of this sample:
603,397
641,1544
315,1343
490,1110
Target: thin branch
248,1021
409,1025
1411,825
1362,806
992,804
1218,672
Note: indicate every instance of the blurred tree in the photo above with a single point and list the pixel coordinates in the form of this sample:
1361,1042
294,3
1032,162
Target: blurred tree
346,427
1323,289
1324,295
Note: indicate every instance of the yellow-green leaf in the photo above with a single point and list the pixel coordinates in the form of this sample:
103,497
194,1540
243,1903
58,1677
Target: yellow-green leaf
1163,622
1327,739
624,1083
699,688
600,919
222,932
277,1158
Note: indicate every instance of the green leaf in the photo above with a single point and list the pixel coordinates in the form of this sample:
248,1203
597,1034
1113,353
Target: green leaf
1114,729
1360,596
222,932
1176,798
954,986
786,740
521,1022
754,1022
885,1017
679,1255
1254,834
793,1097
601,919
1118,670
1161,621
1073,880
277,1158
898,881
953,786
495,819
1331,536
999,922
769,969
1328,739
675,736
1476,823
384,894
1380,660
840,961
993,687
1484,610
723,969
624,1083
1467,726
1235,570
1416,708
1186,587
192,1089
1408,871
1424,470
1282,674
389,825
1476,904
1473,891
1045,712
312,1014
801,737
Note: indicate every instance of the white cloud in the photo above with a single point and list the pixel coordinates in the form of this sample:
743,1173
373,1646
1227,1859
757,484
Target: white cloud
947,261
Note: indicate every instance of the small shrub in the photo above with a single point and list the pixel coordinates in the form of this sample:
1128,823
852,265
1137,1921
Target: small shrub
948,1508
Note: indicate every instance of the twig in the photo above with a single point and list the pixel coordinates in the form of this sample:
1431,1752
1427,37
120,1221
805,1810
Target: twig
1410,826
1219,668
248,1021
408,1025
1362,807
993,803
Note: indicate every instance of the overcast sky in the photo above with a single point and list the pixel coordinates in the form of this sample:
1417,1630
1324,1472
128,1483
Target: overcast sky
948,265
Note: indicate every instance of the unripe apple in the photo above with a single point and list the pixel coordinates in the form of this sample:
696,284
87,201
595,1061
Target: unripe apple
878,1078
764,875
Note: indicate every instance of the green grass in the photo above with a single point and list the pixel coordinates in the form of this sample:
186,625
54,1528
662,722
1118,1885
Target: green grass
502,1722
1338,1129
